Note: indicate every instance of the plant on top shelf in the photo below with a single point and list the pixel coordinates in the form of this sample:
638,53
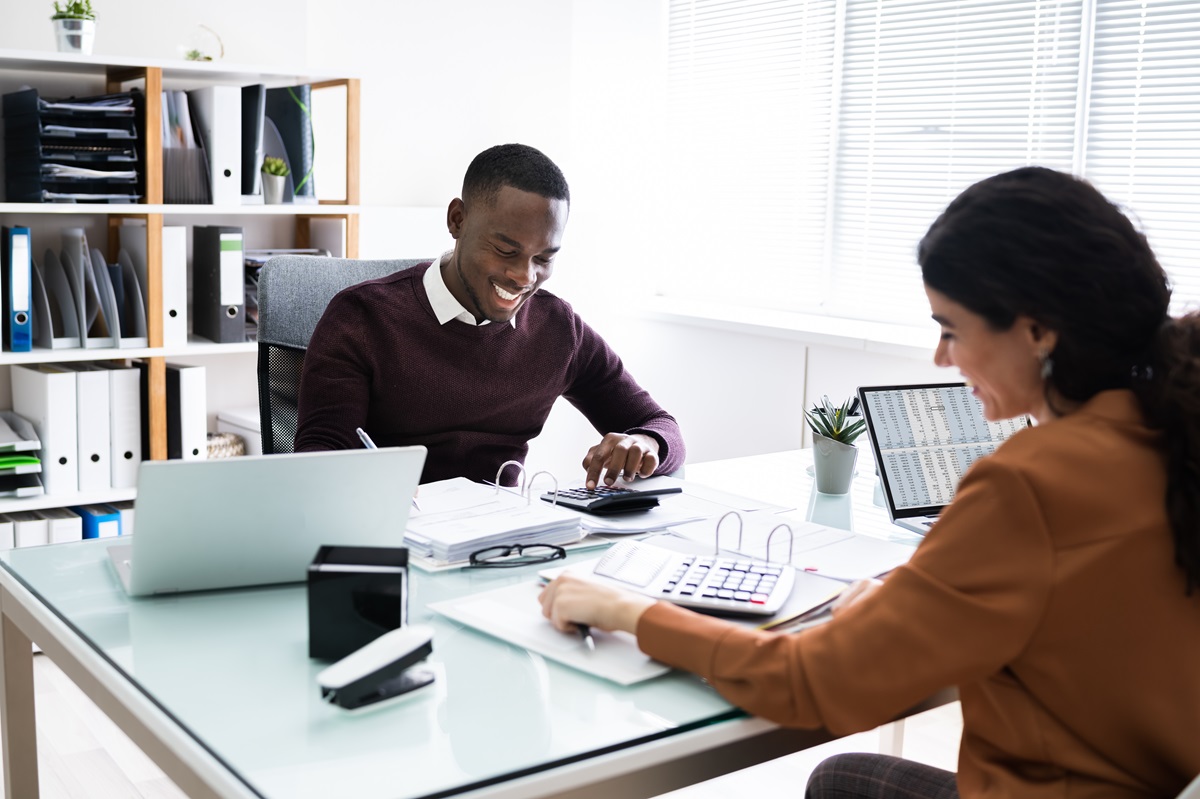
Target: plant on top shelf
838,423
74,9
274,166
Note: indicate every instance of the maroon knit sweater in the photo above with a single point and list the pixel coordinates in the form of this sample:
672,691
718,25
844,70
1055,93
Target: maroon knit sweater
474,396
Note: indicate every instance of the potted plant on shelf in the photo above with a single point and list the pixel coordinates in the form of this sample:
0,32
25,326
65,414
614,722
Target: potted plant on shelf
74,26
274,173
834,430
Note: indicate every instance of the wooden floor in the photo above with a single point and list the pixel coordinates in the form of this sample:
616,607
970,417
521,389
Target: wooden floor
83,755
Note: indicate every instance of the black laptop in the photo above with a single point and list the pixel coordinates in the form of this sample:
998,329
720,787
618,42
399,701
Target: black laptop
925,437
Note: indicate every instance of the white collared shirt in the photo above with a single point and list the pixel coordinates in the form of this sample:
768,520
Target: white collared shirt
445,306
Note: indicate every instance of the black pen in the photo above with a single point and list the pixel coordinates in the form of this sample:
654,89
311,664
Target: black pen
369,444
585,633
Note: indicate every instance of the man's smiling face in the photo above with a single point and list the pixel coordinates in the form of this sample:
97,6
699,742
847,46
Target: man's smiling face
504,250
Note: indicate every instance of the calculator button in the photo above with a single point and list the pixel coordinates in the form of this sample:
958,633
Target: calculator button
741,596
758,599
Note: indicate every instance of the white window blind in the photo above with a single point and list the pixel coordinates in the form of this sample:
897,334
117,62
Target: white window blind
811,144
749,125
1143,128
936,95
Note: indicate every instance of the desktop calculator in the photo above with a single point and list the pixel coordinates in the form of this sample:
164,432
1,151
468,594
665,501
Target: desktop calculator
722,584
609,499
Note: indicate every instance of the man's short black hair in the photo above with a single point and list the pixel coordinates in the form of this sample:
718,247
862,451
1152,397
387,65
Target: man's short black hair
518,165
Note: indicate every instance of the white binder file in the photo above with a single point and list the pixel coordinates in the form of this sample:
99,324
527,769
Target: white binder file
187,412
6,532
46,395
61,525
125,423
94,434
218,113
29,529
174,286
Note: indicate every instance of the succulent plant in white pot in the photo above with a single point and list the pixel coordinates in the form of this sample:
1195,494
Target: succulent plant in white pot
834,430
74,26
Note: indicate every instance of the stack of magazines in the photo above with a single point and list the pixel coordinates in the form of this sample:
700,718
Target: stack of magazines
83,149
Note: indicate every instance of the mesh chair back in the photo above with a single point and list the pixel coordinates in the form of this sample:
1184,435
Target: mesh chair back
293,291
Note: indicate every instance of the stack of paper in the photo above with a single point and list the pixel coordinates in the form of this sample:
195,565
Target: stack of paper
458,517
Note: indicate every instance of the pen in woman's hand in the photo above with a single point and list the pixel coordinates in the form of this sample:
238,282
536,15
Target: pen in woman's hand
585,633
369,444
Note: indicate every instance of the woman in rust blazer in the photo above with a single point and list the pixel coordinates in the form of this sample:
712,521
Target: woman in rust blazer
1058,591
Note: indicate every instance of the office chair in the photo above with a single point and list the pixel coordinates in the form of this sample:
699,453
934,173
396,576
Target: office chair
293,291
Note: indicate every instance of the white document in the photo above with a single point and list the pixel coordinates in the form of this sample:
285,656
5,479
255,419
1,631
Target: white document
513,614
45,395
827,551
218,113
714,501
94,433
29,529
458,517
125,423
187,412
61,525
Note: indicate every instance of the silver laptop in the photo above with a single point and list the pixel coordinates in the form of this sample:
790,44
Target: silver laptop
259,519
925,437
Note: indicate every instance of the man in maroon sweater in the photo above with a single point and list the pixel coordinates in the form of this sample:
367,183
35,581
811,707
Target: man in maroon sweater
466,355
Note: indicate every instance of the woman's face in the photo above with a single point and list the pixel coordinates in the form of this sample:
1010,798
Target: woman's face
1003,368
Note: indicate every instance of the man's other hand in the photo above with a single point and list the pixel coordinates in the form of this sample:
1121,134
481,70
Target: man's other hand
620,455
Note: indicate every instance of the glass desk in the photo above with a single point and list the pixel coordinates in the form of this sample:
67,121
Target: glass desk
218,689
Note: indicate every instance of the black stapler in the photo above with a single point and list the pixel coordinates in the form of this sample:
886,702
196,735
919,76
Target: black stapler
380,670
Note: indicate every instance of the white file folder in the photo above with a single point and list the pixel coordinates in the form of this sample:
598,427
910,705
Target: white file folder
125,428
29,529
55,317
94,436
46,395
61,525
133,262
174,286
187,412
77,261
218,113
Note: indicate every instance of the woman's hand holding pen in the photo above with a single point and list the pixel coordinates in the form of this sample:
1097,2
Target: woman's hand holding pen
569,601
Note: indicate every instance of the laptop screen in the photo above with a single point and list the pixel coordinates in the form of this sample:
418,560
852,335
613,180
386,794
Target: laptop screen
925,437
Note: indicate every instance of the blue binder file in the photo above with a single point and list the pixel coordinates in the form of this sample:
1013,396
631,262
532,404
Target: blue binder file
99,521
17,276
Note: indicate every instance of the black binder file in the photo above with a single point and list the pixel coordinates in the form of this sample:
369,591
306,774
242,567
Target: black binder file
254,108
218,291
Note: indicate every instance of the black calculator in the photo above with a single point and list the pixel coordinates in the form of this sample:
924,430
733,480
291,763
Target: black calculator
603,500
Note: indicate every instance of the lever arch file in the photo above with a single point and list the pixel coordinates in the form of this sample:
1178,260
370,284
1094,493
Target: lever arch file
18,276
219,294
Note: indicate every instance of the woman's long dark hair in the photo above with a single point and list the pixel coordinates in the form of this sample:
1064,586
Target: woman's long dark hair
1039,243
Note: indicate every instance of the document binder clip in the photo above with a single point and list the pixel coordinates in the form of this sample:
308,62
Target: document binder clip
380,670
